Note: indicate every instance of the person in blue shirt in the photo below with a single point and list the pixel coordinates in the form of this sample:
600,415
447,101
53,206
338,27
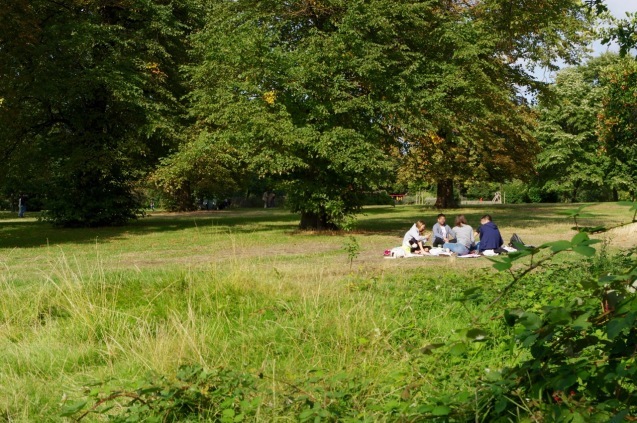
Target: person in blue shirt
490,237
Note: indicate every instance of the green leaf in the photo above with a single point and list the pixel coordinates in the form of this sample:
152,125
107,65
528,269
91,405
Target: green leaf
559,246
431,347
70,409
579,238
581,322
565,381
501,264
591,242
620,417
530,320
512,316
470,291
470,294
501,404
458,349
559,315
618,324
476,334
584,250
441,410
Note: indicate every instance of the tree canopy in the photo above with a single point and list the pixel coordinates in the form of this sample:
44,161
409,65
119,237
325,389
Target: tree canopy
329,99
331,95
572,158
618,123
89,99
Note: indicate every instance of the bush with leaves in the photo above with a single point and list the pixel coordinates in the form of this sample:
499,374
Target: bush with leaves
578,349
193,394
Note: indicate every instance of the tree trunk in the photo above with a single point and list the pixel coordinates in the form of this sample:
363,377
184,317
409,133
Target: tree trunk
315,221
444,194
615,194
183,199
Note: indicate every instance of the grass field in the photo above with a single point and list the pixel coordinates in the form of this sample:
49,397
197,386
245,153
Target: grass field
244,289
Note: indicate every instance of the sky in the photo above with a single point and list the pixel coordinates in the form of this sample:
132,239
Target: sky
617,8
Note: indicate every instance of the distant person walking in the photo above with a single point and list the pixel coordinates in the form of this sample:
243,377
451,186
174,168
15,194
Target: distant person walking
271,198
265,199
22,205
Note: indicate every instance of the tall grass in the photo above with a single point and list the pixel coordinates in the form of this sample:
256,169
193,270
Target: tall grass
273,302
85,326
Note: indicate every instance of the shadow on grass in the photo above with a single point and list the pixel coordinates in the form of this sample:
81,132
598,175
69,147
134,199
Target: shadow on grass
376,220
30,233
523,216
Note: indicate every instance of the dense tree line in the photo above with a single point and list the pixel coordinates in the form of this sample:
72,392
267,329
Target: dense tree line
587,132
326,99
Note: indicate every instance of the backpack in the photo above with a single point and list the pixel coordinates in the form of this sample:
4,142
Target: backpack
516,242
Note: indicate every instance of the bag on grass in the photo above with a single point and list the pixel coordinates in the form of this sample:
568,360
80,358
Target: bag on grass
398,252
517,241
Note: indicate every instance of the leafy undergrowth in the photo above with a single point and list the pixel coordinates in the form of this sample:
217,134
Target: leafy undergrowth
407,353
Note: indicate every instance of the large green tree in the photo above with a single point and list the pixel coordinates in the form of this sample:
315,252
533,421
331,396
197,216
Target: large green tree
307,91
330,94
572,158
89,99
618,124
484,129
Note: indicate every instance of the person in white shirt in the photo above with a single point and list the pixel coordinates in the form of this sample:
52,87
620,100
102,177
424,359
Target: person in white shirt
414,239
441,232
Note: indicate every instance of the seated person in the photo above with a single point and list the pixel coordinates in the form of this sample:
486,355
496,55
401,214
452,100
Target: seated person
414,239
441,232
464,237
490,238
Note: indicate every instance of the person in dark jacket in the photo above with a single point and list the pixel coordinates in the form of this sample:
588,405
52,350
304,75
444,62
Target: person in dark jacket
490,237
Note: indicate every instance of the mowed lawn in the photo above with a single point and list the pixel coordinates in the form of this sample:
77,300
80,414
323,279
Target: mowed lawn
245,289
266,239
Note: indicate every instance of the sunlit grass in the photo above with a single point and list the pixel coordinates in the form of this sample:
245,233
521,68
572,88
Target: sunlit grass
240,289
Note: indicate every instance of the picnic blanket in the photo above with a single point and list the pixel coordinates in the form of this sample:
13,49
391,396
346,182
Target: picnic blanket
400,252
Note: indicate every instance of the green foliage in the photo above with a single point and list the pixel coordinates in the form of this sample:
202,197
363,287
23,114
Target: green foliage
577,361
380,198
89,100
191,395
516,192
91,199
353,249
199,169
617,125
572,161
330,96
623,32
581,354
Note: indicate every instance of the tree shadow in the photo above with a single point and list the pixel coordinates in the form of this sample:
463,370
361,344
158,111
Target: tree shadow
31,233
522,216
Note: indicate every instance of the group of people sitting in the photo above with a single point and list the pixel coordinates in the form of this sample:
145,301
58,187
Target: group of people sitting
460,240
